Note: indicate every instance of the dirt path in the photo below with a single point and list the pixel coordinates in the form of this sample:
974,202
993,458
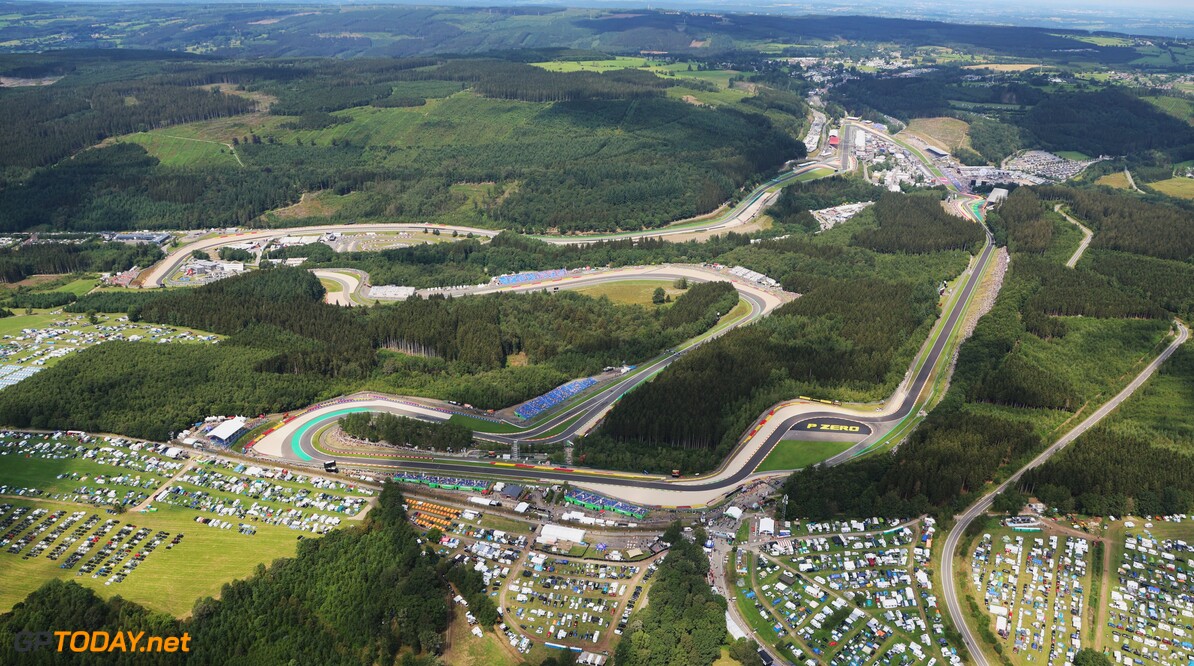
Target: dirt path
165,484
1132,181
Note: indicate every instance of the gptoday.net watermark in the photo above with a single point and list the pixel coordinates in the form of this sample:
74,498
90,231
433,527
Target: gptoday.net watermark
100,641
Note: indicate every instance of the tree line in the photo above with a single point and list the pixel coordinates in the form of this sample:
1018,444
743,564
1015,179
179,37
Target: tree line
402,431
685,621
93,255
918,225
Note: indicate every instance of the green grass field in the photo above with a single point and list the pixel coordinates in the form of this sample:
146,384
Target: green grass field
1118,180
175,150
1178,107
13,325
1182,188
796,454
168,581
79,286
630,292
678,69
1160,409
813,175
1073,155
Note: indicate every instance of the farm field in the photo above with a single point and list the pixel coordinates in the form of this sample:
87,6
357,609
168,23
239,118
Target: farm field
1182,188
1118,180
1178,107
1003,67
948,132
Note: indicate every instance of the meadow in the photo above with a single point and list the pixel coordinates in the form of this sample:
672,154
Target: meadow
1182,188
168,581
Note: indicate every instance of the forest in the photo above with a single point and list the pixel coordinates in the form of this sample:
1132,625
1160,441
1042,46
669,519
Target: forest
850,335
1019,111
1137,462
918,225
575,151
91,255
1106,473
791,211
685,621
362,594
287,348
398,31
1128,224
402,431
1012,374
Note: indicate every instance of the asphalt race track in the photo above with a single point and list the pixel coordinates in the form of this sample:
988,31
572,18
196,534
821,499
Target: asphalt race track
742,213
590,408
295,439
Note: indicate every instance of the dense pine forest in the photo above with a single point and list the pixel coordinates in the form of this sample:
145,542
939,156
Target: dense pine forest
685,620
366,594
286,348
576,151
851,334
91,255
1057,342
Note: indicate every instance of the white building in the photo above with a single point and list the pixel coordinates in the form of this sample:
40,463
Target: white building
553,533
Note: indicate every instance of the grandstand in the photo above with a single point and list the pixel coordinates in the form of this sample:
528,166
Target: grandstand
595,502
532,276
536,406
441,481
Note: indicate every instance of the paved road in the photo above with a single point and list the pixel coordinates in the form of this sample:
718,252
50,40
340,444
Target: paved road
949,586
581,413
740,466
741,214
1087,234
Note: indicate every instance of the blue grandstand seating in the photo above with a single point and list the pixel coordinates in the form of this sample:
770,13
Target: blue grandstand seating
553,397
533,276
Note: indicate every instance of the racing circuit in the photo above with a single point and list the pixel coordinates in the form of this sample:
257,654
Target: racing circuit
297,438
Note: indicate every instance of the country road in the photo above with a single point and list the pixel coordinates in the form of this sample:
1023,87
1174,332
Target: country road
1087,234
949,584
